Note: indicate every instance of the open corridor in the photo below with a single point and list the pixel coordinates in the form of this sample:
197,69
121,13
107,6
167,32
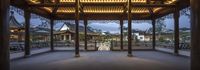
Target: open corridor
102,60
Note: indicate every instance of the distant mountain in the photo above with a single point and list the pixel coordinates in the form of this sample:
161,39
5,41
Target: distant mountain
184,29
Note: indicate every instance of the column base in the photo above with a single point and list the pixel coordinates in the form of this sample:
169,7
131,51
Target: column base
176,54
154,49
130,55
86,49
52,50
77,55
26,56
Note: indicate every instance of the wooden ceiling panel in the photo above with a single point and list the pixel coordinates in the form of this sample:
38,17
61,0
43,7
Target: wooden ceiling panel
103,1
139,10
67,1
100,9
66,8
139,1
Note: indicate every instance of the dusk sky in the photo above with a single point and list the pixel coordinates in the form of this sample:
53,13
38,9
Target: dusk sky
113,27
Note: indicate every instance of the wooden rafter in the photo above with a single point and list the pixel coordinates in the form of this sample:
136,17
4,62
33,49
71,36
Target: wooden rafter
142,8
55,8
134,5
150,9
153,5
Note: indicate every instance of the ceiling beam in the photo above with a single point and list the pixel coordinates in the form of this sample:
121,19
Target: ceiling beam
153,5
73,5
56,7
81,7
125,8
42,1
150,9
162,1
103,4
39,11
51,5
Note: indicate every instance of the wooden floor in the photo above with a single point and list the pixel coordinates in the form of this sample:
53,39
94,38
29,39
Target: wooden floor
102,60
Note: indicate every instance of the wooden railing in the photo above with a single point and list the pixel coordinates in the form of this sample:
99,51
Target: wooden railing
116,45
19,46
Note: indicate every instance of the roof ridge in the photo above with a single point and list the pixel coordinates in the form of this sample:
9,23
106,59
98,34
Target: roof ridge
13,20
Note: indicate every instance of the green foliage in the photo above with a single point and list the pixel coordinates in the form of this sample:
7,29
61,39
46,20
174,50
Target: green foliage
81,37
186,12
107,33
125,33
136,40
160,26
184,36
161,39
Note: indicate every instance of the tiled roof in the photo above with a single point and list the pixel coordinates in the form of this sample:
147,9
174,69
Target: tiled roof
13,22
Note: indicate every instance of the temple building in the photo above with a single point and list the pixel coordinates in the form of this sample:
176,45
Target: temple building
40,34
67,33
16,29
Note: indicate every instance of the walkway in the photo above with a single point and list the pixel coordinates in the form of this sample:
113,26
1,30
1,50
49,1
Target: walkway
102,60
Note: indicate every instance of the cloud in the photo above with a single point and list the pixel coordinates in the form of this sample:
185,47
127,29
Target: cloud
111,27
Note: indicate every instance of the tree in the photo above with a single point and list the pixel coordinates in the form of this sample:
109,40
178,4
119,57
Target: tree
160,26
125,32
107,33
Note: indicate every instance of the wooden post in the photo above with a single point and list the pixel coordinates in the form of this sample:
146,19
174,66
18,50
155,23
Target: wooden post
195,34
4,35
129,30
176,30
95,45
85,29
27,16
154,34
77,30
111,45
121,35
51,34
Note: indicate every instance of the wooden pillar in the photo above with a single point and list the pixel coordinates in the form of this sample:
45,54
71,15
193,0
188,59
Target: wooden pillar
4,35
64,37
27,16
195,34
129,30
51,34
121,35
154,34
95,45
176,30
70,37
111,45
77,30
85,29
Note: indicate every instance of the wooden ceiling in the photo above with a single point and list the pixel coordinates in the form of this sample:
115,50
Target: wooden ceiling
100,9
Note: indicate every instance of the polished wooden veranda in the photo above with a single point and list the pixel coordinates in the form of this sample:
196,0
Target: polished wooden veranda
100,10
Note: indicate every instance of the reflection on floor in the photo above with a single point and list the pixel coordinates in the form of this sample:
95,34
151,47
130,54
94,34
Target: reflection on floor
181,52
102,60
104,46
